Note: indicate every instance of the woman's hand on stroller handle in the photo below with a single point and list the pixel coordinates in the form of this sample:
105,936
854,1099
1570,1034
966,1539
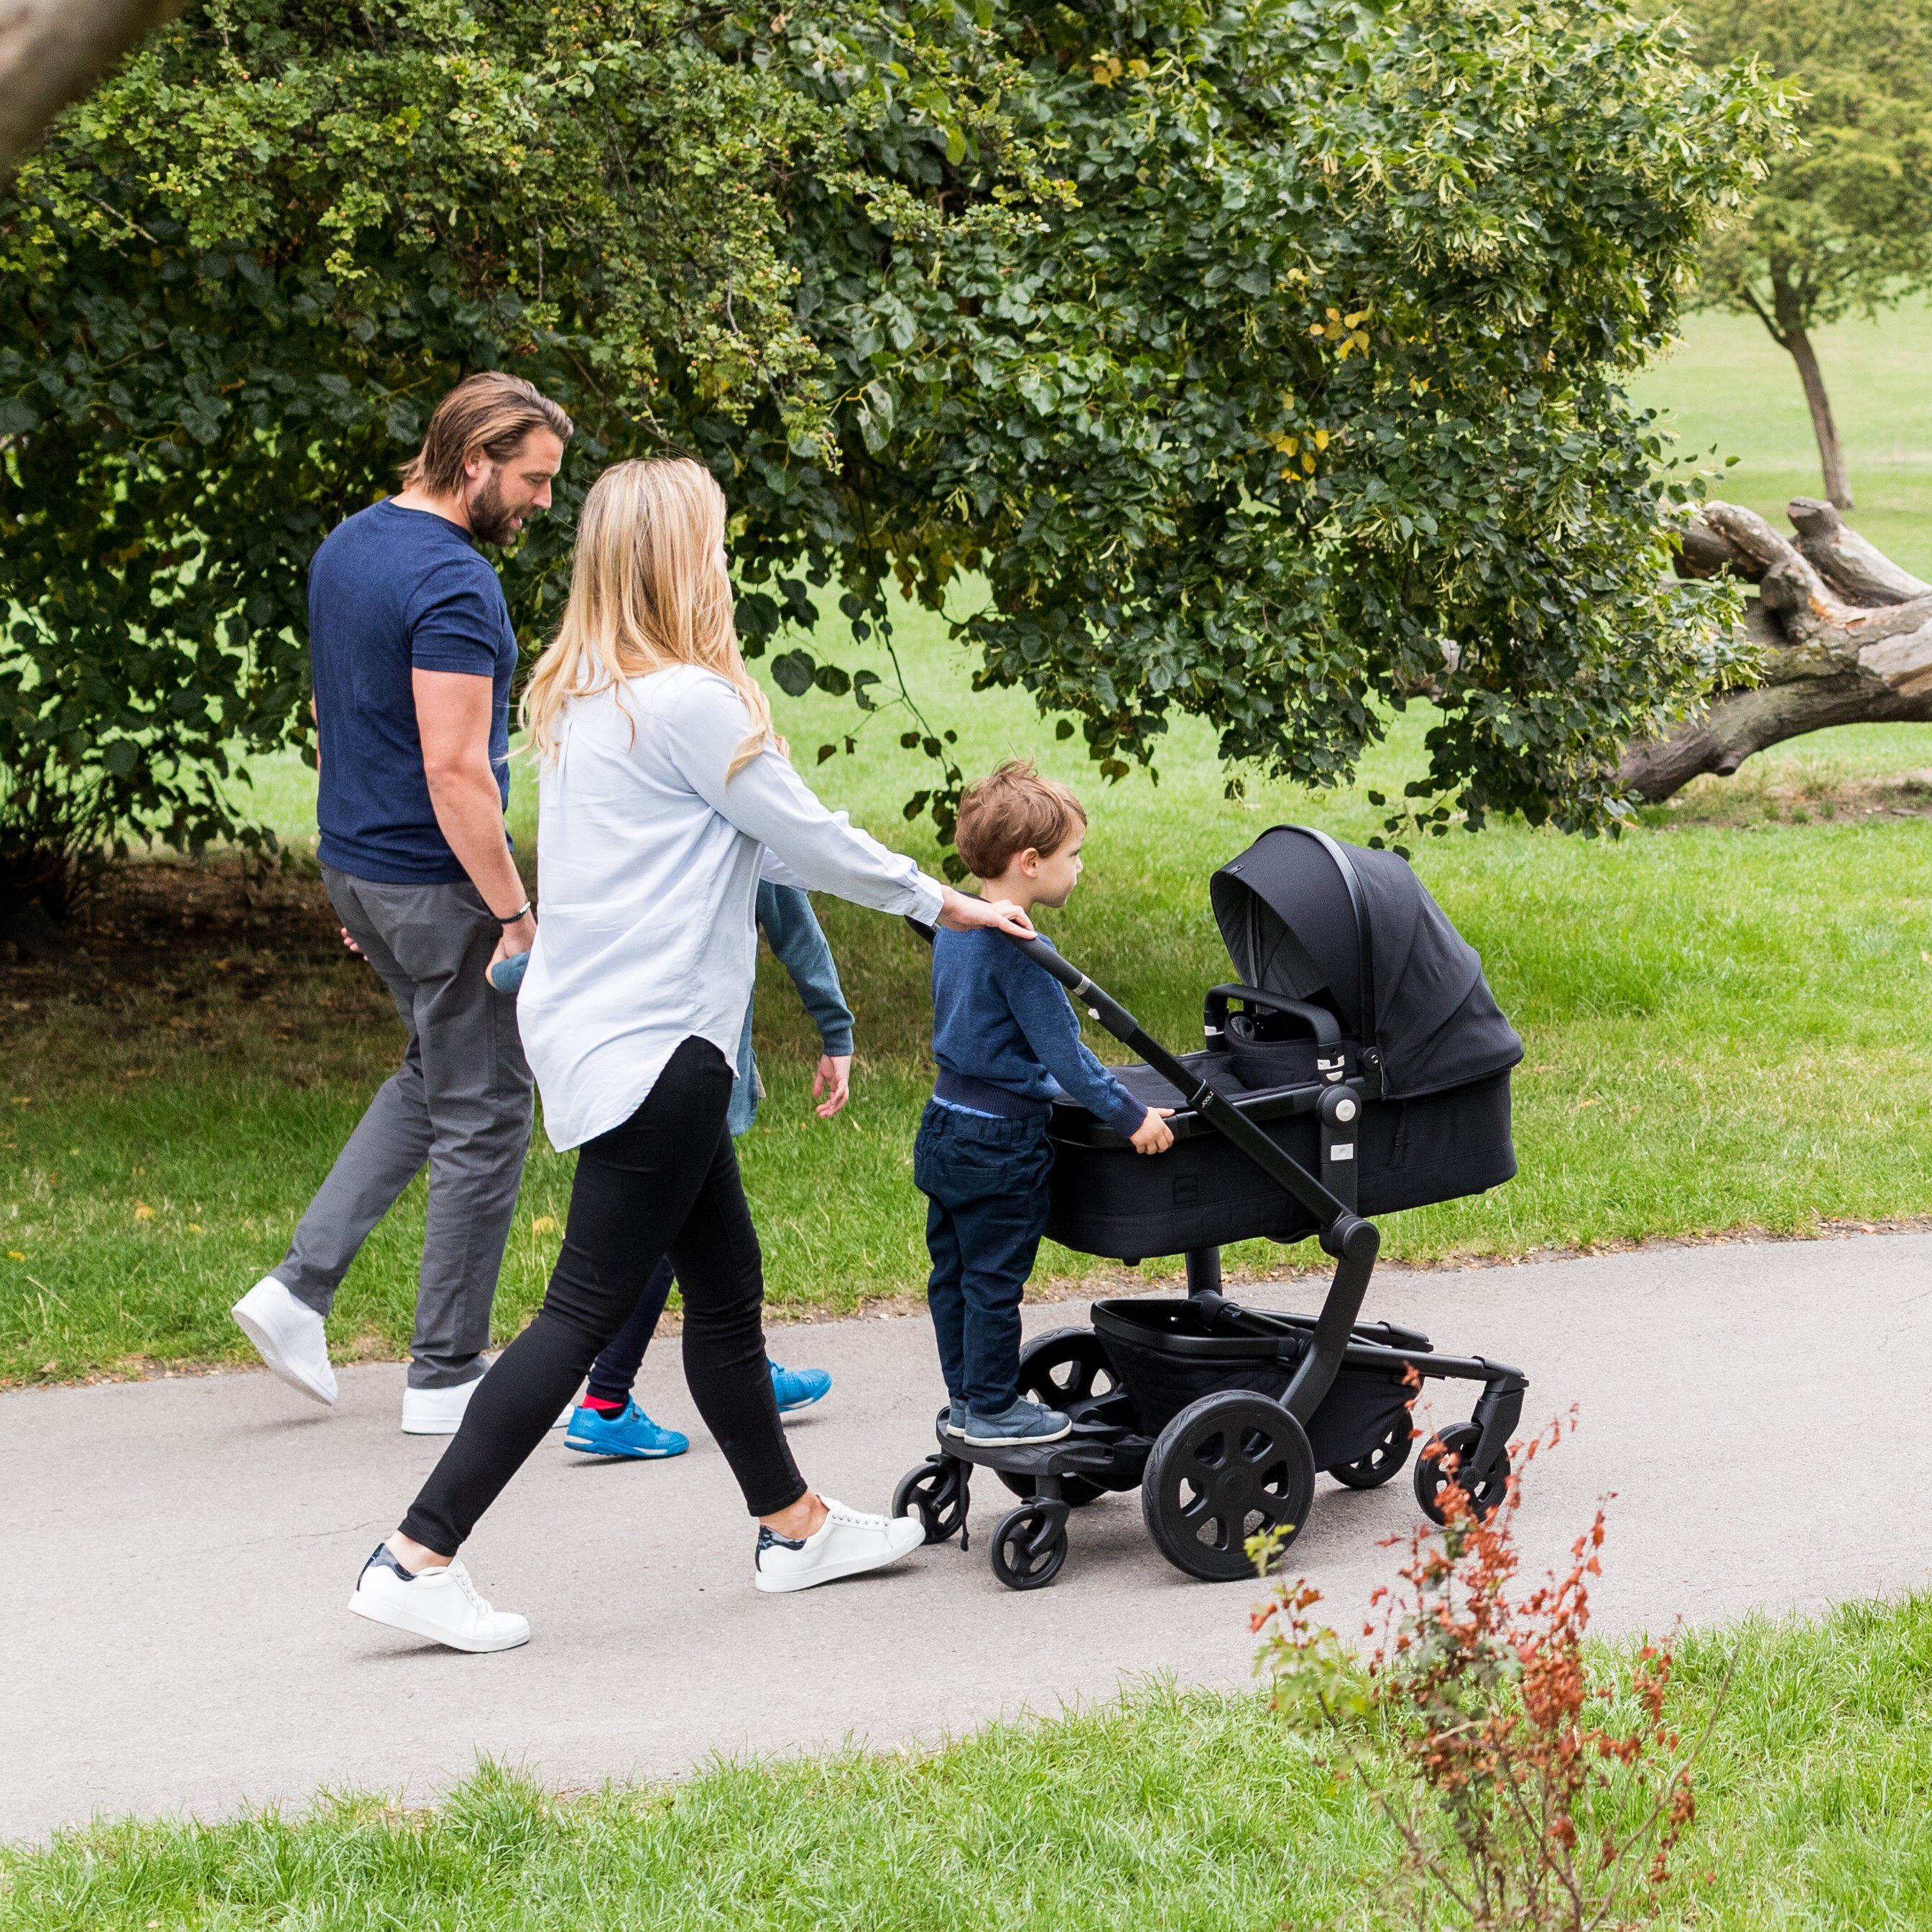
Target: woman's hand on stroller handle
962,912
1154,1136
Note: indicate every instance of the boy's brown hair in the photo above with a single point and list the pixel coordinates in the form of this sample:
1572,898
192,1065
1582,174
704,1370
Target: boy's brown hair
489,414
1009,810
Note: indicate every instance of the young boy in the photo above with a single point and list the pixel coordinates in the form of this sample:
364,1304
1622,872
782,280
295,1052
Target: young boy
1006,1042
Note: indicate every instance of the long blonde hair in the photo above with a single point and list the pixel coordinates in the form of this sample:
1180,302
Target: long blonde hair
647,590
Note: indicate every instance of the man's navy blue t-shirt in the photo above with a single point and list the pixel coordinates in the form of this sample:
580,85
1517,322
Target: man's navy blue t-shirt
392,591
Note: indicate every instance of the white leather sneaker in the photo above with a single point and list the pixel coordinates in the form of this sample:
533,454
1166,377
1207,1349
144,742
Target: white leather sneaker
288,1336
440,1411
846,1543
442,1605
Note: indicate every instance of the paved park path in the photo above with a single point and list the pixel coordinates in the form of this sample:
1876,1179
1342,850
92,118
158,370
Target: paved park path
176,1555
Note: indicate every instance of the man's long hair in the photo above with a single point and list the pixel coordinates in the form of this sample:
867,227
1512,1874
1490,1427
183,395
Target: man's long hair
487,414
647,590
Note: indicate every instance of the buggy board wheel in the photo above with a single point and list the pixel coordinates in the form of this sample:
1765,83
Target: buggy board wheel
1029,1546
1385,1460
1065,1365
937,1493
1224,1469
1485,1492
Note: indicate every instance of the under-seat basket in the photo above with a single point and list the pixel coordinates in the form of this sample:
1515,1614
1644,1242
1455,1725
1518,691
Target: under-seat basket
1168,1351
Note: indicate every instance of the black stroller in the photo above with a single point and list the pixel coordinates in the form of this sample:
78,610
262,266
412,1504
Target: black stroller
1361,1067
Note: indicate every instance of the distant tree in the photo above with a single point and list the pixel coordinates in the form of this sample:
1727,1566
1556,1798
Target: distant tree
1843,225
1261,361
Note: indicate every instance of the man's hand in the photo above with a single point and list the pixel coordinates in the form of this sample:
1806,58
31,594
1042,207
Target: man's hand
1154,1136
517,938
833,1081
349,942
962,912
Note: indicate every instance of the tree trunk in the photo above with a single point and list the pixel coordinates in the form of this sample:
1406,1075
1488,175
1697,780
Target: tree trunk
52,51
1791,332
1846,638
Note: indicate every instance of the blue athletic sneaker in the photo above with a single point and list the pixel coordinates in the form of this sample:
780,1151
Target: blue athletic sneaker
956,1417
630,1433
799,1388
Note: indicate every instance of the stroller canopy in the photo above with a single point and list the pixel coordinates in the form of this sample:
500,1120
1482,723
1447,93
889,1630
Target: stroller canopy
1309,918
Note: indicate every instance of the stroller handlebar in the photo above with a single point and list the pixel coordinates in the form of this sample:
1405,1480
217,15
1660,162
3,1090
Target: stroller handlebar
1340,1224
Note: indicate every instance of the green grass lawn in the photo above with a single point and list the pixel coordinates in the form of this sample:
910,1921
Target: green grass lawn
1724,1011
1164,1812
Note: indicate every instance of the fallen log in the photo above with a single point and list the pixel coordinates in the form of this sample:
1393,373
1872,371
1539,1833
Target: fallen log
1845,637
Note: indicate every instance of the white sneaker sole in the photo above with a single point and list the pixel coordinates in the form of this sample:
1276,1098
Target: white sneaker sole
268,1345
423,1628
444,1428
782,1586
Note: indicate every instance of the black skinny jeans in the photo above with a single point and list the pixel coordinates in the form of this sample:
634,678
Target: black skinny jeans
664,1182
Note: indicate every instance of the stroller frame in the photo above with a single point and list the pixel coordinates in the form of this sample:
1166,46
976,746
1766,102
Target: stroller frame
1107,1449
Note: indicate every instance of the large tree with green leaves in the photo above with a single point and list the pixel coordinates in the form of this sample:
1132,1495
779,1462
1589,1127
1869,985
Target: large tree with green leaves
1262,363
1843,224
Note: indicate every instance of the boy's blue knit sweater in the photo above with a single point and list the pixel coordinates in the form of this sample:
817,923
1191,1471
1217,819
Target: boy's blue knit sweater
997,1017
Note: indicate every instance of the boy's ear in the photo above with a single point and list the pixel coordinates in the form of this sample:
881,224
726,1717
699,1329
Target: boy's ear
1029,860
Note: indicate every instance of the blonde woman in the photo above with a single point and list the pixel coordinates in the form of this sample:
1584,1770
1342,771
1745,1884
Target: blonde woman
663,797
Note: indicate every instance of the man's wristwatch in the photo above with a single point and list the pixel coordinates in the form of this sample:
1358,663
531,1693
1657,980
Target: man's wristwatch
515,918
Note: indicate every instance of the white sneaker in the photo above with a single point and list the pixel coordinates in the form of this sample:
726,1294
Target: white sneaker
288,1336
846,1543
440,1411
441,1605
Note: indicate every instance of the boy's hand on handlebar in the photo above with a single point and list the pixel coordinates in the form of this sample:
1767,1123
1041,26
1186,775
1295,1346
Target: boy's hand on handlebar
962,912
1154,1136
833,1081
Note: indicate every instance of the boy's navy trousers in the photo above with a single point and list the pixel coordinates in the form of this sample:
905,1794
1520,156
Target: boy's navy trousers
985,1184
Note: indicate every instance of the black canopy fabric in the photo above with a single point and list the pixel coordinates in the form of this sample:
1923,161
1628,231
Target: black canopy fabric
1286,911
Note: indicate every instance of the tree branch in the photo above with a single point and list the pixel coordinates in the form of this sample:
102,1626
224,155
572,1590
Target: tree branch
1862,657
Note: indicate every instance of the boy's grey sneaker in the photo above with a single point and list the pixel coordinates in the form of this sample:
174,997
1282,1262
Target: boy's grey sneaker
955,1419
1020,1421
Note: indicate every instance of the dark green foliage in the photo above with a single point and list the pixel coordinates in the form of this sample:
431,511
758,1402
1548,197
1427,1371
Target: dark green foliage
1844,217
1262,363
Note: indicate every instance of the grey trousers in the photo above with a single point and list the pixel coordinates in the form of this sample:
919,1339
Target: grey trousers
461,1101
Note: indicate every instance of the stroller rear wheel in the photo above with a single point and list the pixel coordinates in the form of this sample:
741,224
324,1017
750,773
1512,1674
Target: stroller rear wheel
1385,1460
1066,1365
1029,1546
1225,1469
1486,1489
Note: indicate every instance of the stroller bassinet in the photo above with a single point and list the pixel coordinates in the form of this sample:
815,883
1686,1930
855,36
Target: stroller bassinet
1322,934
1359,1066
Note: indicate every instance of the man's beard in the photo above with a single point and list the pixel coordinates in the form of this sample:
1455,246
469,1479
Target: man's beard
491,520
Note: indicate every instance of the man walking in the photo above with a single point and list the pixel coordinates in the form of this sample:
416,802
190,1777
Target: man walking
413,653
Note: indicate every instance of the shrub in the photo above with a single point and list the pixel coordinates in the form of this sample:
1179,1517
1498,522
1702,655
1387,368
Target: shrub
1532,1790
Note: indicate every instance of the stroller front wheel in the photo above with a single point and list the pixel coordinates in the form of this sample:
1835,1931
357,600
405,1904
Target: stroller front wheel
1225,1469
1485,1488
